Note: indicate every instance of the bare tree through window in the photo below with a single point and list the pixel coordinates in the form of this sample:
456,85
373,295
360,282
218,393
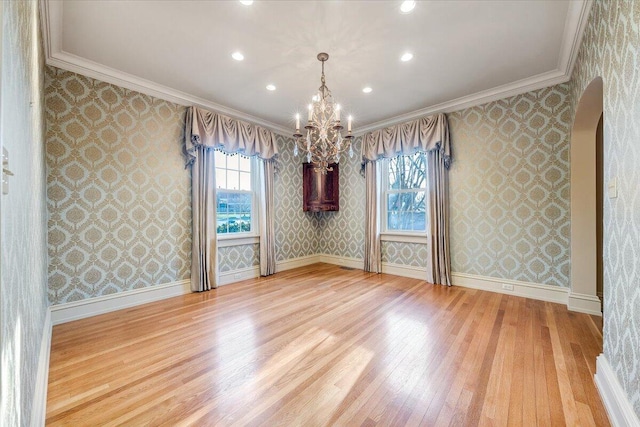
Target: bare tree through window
406,192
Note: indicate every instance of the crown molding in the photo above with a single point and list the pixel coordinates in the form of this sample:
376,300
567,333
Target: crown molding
501,92
52,11
574,27
101,72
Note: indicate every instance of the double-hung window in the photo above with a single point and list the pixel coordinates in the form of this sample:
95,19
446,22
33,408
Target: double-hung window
404,191
236,207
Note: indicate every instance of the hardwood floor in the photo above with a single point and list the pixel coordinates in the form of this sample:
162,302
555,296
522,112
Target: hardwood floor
321,345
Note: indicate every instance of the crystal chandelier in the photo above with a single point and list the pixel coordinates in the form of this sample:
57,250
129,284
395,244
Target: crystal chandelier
324,141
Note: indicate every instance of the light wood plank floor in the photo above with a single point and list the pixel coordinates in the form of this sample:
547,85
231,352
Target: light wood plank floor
321,345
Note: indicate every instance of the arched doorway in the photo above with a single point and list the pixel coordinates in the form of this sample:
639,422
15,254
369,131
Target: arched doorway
584,202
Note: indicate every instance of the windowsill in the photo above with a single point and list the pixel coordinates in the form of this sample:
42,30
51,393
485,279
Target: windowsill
389,236
225,240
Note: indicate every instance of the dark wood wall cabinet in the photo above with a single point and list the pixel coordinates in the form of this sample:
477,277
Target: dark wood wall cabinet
320,192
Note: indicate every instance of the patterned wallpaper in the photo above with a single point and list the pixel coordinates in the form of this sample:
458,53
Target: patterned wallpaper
23,294
118,192
238,257
413,254
297,232
342,232
611,50
509,188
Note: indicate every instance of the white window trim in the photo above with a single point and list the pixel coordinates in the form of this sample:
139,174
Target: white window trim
404,237
397,235
226,241
253,236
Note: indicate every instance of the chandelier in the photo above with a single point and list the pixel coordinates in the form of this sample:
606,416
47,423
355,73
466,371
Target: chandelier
324,141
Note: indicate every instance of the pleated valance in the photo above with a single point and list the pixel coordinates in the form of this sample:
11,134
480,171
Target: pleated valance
204,128
425,134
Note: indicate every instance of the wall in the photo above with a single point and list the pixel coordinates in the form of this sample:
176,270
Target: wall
342,232
23,294
509,188
119,196
297,232
509,191
611,50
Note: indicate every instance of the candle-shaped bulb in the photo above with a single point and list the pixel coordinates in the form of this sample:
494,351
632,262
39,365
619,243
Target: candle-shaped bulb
310,111
297,122
349,124
338,112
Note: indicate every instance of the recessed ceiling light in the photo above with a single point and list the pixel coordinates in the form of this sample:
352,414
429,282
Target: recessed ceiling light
407,6
246,2
406,57
271,87
367,89
237,56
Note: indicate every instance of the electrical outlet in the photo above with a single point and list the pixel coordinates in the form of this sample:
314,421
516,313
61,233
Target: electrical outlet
236,276
507,287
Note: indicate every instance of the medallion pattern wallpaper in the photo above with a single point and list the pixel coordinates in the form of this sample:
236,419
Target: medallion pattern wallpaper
297,232
509,188
23,294
118,191
611,50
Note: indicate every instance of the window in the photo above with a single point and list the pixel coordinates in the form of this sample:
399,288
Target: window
235,195
404,184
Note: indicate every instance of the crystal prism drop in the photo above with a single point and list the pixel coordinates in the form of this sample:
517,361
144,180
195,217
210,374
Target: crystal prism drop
295,150
308,157
350,151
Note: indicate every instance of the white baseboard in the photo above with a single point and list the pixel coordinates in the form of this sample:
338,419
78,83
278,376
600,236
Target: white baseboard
289,264
584,303
233,276
342,261
405,270
39,404
75,310
619,409
521,289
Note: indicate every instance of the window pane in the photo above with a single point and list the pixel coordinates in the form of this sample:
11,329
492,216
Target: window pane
245,181
245,164
221,178
232,180
407,172
406,211
233,212
221,159
233,161
234,209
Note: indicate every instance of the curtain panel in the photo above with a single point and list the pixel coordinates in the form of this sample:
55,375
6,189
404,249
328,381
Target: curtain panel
267,219
372,256
431,135
204,133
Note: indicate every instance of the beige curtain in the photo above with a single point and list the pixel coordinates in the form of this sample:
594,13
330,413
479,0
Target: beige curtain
234,136
204,132
425,134
372,257
267,225
431,135
204,272
438,187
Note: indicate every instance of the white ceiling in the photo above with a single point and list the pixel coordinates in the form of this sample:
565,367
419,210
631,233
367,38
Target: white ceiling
465,52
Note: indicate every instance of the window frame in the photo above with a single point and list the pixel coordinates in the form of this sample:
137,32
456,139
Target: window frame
386,234
243,237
